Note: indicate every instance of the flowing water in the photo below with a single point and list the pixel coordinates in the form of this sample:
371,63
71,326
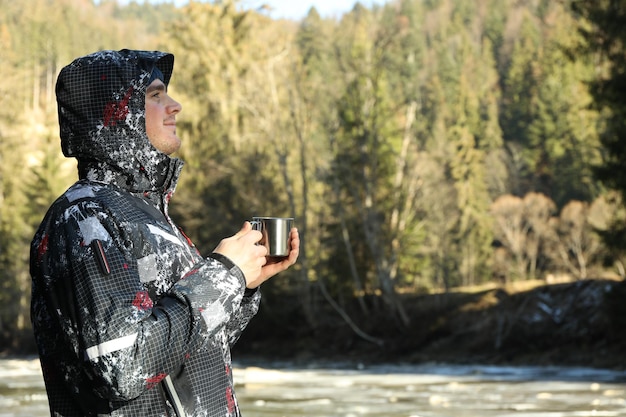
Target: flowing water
282,390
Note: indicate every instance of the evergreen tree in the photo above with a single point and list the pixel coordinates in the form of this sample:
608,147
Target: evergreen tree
603,26
364,153
15,236
439,199
566,150
517,113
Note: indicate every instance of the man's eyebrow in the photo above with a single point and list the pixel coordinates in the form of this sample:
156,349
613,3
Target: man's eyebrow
157,87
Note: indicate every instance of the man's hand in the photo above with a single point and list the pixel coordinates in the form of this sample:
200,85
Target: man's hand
276,265
243,251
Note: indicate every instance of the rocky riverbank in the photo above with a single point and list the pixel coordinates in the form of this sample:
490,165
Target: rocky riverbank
580,323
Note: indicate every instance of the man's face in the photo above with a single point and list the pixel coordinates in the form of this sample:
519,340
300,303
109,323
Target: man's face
161,111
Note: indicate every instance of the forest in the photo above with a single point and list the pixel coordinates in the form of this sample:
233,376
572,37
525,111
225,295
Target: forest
421,145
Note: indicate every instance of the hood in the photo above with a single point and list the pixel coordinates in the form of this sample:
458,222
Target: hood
101,105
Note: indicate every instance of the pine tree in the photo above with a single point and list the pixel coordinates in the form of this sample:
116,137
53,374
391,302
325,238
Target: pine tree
603,27
366,142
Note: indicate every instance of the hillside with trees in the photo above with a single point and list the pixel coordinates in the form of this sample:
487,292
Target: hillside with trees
424,147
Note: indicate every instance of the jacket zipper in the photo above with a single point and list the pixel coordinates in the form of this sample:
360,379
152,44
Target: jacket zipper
170,391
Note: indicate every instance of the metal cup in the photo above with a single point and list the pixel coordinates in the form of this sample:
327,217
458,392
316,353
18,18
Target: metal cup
275,232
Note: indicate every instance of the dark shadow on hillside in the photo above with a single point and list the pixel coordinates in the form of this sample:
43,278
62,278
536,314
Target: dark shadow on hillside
574,324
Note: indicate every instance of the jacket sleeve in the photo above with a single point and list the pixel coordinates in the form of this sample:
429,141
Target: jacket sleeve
123,342
248,309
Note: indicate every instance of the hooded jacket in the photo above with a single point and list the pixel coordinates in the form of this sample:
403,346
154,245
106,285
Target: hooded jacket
129,319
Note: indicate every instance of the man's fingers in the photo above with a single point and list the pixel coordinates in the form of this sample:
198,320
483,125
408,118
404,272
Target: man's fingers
245,228
261,250
247,233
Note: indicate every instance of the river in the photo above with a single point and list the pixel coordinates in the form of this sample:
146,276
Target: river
340,390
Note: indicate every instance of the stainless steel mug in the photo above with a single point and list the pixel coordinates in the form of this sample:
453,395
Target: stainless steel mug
275,232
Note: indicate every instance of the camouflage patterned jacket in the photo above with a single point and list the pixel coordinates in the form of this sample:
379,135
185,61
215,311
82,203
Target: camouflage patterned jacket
129,319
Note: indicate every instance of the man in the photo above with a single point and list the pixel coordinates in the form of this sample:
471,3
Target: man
129,319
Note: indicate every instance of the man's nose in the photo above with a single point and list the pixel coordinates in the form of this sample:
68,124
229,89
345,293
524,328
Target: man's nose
174,106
